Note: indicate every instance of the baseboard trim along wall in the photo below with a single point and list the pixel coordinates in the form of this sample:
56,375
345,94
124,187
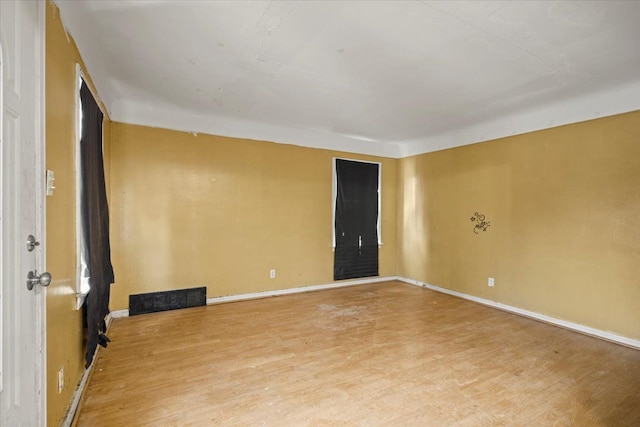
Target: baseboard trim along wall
77,395
119,313
531,314
266,294
302,289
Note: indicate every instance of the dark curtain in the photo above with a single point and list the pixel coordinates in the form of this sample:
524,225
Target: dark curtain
356,252
95,221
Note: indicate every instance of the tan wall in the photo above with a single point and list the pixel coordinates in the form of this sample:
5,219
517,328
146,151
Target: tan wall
205,210
64,323
563,203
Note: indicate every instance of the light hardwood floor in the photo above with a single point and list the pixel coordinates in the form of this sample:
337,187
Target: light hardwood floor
386,354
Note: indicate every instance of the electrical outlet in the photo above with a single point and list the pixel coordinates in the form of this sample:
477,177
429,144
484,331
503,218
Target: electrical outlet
490,282
60,379
272,274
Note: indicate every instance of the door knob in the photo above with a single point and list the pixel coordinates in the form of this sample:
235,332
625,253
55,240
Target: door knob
33,279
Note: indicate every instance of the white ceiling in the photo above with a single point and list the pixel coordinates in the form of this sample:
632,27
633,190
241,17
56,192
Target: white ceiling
391,78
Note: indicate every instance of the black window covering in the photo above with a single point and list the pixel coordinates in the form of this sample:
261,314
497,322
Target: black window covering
95,220
356,220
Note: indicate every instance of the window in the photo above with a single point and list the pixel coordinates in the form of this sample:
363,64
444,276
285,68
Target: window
82,268
82,273
94,248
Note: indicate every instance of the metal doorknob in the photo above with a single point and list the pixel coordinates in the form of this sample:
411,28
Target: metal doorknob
33,279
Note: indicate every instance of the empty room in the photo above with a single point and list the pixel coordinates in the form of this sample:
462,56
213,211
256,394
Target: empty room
320,213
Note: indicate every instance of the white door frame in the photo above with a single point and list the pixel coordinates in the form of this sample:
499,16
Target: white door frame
41,296
9,243
2,216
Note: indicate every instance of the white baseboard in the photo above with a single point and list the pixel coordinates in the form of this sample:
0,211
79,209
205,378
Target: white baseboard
609,336
118,314
302,289
77,395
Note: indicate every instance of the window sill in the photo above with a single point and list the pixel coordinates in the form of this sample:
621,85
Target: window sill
80,298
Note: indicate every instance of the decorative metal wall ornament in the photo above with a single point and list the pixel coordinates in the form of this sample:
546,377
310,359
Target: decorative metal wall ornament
481,224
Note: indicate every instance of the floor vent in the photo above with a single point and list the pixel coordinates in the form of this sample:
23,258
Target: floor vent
168,300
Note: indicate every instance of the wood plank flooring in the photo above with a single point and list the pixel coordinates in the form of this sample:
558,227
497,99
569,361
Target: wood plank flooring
386,354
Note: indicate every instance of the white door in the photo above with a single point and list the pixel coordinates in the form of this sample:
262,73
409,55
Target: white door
23,393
